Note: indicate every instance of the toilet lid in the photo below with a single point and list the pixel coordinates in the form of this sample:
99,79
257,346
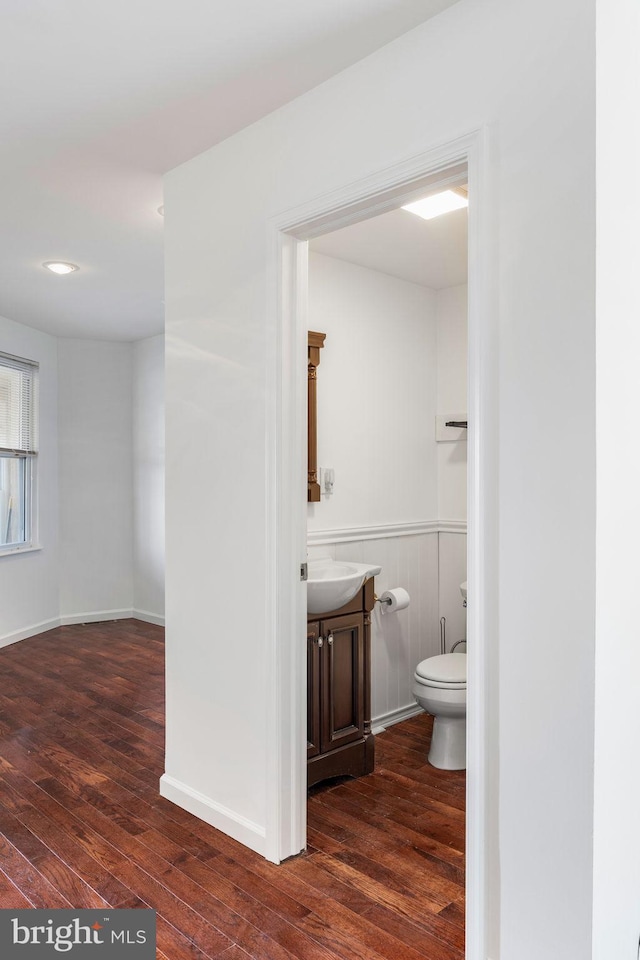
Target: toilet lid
447,668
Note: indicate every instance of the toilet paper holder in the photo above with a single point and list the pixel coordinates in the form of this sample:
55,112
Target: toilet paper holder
393,600
377,599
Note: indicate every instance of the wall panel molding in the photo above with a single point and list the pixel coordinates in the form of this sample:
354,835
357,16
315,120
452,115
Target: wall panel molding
385,531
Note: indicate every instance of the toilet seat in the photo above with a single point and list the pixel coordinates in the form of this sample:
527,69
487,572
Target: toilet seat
447,671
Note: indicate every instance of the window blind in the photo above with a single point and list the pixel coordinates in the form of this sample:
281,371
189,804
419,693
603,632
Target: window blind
18,406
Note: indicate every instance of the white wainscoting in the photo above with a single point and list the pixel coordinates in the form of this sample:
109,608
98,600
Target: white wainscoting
427,558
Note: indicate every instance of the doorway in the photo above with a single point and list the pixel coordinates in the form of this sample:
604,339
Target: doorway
388,297
453,165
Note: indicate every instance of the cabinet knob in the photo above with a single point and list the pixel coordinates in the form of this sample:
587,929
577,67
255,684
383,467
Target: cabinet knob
320,641
330,639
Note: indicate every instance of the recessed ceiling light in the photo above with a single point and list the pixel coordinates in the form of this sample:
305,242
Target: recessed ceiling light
60,267
161,210
437,204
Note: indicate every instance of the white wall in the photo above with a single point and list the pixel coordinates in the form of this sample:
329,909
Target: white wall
148,478
524,72
96,468
452,571
376,384
29,581
452,350
451,320
616,889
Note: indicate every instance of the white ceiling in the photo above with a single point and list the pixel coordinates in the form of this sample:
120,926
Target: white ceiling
432,253
100,99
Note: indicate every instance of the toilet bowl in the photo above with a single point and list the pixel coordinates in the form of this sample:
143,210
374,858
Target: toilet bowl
440,688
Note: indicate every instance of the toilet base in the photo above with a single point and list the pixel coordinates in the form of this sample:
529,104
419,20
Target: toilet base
448,749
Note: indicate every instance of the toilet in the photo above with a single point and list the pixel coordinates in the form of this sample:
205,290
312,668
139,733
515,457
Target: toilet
440,688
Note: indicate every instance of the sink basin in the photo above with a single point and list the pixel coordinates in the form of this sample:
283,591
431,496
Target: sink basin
332,583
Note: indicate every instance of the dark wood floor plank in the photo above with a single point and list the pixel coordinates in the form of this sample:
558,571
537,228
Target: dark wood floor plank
379,884
394,786
10,897
65,847
352,935
454,912
29,881
91,753
82,822
449,792
442,941
413,816
406,848
385,866
51,867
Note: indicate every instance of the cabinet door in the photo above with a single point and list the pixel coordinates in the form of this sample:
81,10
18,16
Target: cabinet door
342,712
313,689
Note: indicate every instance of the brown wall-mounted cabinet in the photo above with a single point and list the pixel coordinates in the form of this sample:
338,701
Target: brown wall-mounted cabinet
339,738
315,343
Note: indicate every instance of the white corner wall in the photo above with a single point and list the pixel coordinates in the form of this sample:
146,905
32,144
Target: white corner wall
523,72
100,498
111,437
148,479
29,600
96,469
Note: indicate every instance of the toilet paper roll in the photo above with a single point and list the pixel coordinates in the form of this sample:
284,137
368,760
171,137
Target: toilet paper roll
396,599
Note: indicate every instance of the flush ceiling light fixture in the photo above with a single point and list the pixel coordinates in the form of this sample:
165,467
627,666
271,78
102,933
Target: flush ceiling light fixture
60,267
437,204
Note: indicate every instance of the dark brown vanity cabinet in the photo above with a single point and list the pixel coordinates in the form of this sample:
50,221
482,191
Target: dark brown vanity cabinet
339,738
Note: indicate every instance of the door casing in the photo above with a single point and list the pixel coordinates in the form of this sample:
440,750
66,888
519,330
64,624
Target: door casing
463,160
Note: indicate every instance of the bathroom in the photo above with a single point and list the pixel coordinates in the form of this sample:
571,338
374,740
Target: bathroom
390,293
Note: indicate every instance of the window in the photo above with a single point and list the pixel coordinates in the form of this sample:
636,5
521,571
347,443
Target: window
18,450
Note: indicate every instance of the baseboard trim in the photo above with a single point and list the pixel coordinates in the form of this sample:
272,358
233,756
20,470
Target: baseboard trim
380,724
31,631
97,616
148,617
384,531
222,818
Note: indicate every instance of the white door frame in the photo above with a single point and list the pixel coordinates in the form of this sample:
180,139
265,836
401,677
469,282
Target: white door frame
286,618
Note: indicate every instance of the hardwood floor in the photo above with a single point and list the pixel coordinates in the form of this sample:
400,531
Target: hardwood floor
82,824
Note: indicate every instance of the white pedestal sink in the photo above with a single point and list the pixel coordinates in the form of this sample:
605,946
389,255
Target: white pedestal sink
332,583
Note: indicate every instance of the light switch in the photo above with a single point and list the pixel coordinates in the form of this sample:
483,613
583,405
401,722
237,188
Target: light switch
328,477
